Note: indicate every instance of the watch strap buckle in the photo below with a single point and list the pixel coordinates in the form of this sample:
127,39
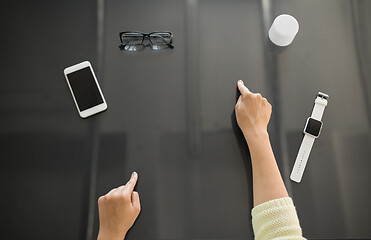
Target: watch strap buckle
323,95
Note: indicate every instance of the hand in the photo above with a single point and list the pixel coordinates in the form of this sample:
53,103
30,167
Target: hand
118,210
252,112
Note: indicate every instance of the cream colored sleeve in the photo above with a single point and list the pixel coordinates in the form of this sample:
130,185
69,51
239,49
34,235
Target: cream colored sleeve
276,219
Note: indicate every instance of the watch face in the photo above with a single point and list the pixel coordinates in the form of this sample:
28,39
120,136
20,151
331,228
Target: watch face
313,127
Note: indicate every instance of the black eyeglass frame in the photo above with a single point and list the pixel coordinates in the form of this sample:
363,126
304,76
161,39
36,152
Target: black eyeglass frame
144,35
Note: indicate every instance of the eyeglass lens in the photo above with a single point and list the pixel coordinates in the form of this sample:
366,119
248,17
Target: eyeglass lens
132,38
160,38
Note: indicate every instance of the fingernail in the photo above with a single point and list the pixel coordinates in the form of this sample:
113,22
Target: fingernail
240,80
134,174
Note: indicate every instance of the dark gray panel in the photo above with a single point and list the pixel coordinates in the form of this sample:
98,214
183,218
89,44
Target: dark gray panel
43,185
205,197
352,149
44,144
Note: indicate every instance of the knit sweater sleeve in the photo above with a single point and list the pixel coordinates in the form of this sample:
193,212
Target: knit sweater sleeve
276,219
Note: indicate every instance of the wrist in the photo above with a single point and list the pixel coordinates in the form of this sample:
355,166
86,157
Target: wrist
255,136
102,235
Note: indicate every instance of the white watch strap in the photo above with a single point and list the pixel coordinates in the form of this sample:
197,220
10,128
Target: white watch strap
302,158
319,108
306,146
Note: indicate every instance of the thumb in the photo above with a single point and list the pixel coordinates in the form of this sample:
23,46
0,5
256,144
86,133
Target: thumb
135,200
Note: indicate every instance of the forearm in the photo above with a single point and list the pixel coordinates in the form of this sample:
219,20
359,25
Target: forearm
267,180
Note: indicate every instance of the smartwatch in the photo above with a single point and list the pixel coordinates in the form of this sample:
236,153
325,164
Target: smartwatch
312,130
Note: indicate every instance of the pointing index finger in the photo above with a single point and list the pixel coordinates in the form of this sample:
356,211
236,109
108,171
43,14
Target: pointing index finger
131,183
243,89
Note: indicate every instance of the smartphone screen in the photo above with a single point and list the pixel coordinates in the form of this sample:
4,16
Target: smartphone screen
84,88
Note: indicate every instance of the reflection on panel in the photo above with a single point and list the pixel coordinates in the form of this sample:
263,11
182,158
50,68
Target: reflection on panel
352,152
204,197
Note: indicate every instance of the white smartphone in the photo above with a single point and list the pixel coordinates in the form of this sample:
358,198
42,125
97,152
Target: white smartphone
85,89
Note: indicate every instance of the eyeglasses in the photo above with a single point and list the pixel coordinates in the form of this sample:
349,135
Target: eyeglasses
133,41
